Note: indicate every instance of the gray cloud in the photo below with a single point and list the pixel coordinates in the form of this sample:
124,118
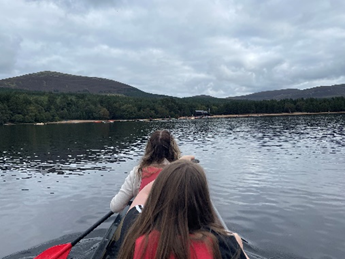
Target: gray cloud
9,46
181,48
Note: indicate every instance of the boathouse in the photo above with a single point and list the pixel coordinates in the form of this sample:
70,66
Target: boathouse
201,113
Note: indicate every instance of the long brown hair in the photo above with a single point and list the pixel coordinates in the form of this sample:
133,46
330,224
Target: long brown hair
161,145
179,204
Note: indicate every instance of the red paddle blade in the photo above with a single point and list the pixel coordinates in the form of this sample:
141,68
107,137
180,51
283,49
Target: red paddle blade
56,252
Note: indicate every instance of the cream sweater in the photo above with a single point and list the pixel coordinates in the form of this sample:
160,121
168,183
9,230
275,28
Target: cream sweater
129,189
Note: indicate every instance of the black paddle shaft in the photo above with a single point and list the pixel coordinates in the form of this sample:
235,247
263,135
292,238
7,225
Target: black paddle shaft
99,222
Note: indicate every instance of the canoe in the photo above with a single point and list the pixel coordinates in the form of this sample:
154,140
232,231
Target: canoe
108,246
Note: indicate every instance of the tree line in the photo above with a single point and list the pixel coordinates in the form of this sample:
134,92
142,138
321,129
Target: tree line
31,107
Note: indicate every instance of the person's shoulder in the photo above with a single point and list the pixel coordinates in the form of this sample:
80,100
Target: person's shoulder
134,173
152,169
135,168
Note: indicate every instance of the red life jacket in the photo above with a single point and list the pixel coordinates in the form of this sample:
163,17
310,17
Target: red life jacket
149,174
198,249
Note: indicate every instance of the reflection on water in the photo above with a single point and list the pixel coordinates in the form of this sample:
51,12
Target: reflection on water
56,148
277,181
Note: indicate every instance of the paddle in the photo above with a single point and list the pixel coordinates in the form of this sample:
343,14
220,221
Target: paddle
62,251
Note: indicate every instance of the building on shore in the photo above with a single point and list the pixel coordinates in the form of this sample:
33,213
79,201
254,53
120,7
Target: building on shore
202,113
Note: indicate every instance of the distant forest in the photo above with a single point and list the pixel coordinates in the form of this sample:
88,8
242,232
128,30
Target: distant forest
31,107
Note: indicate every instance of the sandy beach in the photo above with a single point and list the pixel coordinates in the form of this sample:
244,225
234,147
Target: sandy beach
191,118
183,118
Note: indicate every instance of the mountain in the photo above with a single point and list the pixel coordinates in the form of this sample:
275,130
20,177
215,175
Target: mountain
201,97
49,81
56,82
315,92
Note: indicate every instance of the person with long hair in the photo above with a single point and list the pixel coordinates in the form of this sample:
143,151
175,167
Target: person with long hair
173,217
161,149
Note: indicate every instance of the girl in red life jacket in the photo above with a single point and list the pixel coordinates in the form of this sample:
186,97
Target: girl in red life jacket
161,149
173,218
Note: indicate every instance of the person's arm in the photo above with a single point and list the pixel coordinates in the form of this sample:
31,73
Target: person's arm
188,157
141,198
231,244
239,241
126,193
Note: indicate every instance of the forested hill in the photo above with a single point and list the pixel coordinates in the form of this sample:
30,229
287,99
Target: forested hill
315,92
48,81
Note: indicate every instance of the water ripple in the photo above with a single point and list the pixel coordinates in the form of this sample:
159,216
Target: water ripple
278,181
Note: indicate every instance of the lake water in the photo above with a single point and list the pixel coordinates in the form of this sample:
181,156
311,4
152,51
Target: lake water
277,181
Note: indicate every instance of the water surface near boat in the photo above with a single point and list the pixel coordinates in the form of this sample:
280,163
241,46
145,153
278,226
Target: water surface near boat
277,181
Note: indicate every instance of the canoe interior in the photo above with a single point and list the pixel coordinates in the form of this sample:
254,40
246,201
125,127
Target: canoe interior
108,247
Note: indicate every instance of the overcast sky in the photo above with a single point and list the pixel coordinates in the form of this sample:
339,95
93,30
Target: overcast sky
180,48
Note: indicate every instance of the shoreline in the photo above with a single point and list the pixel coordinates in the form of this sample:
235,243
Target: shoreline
275,114
264,115
183,118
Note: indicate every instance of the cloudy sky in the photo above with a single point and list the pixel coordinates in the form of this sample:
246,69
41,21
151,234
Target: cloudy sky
180,48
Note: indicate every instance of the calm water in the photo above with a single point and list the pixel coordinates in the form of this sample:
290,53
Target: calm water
277,181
